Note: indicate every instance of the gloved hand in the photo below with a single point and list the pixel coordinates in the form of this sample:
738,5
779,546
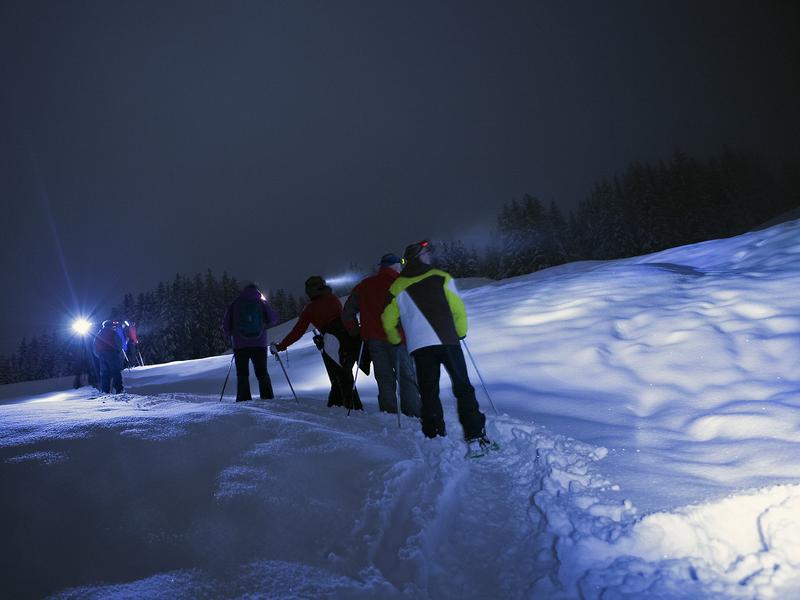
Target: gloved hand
273,348
319,341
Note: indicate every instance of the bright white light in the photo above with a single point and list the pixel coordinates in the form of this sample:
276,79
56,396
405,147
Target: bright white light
345,279
81,326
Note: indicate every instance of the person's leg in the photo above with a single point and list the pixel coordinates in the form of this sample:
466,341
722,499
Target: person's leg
469,414
105,375
95,372
241,357
116,362
335,396
409,390
383,369
428,372
348,354
259,358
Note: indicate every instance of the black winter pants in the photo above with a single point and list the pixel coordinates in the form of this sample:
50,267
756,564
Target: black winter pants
110,371
429,361
242,358
342,392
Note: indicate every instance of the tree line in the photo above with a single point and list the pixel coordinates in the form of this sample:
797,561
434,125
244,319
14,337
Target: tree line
177,320
649,207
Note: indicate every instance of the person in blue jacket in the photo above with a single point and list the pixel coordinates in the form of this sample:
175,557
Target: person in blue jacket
108,350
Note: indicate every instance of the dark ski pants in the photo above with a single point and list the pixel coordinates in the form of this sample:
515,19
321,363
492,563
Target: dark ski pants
110,371
386,358
87,365
342,392
429,361
242,358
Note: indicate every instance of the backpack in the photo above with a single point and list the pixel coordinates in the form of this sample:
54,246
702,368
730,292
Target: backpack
249,318
106,341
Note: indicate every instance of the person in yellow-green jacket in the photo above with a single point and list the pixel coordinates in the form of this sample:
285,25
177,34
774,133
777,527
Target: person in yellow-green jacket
425,302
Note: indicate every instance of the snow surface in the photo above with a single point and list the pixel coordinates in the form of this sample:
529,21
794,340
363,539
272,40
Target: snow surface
649,424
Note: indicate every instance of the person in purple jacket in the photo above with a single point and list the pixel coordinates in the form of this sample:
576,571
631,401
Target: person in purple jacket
245,323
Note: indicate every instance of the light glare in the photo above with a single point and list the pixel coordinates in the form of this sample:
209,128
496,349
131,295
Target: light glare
344,279
81,326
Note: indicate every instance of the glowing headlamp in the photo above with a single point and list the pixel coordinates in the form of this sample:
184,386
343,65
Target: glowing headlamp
81,326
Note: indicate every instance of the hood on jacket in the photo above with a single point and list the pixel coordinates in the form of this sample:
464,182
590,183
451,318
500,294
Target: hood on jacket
251,292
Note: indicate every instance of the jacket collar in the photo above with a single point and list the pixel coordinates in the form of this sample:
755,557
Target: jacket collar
415,268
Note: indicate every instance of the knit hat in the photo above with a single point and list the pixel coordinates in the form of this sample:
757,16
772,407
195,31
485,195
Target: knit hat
414,250
316,286
387,260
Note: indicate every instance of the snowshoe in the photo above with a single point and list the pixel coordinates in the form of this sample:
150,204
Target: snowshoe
480,446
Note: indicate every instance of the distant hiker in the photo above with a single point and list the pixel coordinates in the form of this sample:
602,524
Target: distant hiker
134,355
84,363
108,350
245,323
324,311
425,301
368,299
119,328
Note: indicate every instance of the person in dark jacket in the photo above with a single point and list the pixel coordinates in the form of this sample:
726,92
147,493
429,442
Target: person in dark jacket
391,362
85,362
108,350
324,311
245,323
434,320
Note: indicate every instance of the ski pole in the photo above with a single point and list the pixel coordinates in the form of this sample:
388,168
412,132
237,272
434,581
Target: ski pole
397,386
141,360
358,368
475,366
280,362
224,385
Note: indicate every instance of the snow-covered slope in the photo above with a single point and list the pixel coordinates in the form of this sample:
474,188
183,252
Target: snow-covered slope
650,420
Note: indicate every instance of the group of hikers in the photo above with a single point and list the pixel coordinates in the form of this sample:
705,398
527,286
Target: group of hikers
114,348
407,320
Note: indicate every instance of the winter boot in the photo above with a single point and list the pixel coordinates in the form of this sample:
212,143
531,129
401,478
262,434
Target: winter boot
480,446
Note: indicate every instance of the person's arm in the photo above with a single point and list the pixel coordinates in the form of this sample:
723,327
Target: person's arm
303,321
456,306
390,318
349,313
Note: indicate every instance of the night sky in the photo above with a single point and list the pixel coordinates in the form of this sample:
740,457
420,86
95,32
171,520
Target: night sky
276,140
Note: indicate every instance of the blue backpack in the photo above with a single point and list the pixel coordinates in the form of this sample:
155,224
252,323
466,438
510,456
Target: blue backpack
249,318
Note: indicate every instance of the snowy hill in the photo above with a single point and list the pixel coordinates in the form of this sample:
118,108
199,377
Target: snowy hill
650,432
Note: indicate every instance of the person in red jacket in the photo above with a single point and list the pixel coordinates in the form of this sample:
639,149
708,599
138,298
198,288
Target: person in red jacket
134,355
368,299
324,311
